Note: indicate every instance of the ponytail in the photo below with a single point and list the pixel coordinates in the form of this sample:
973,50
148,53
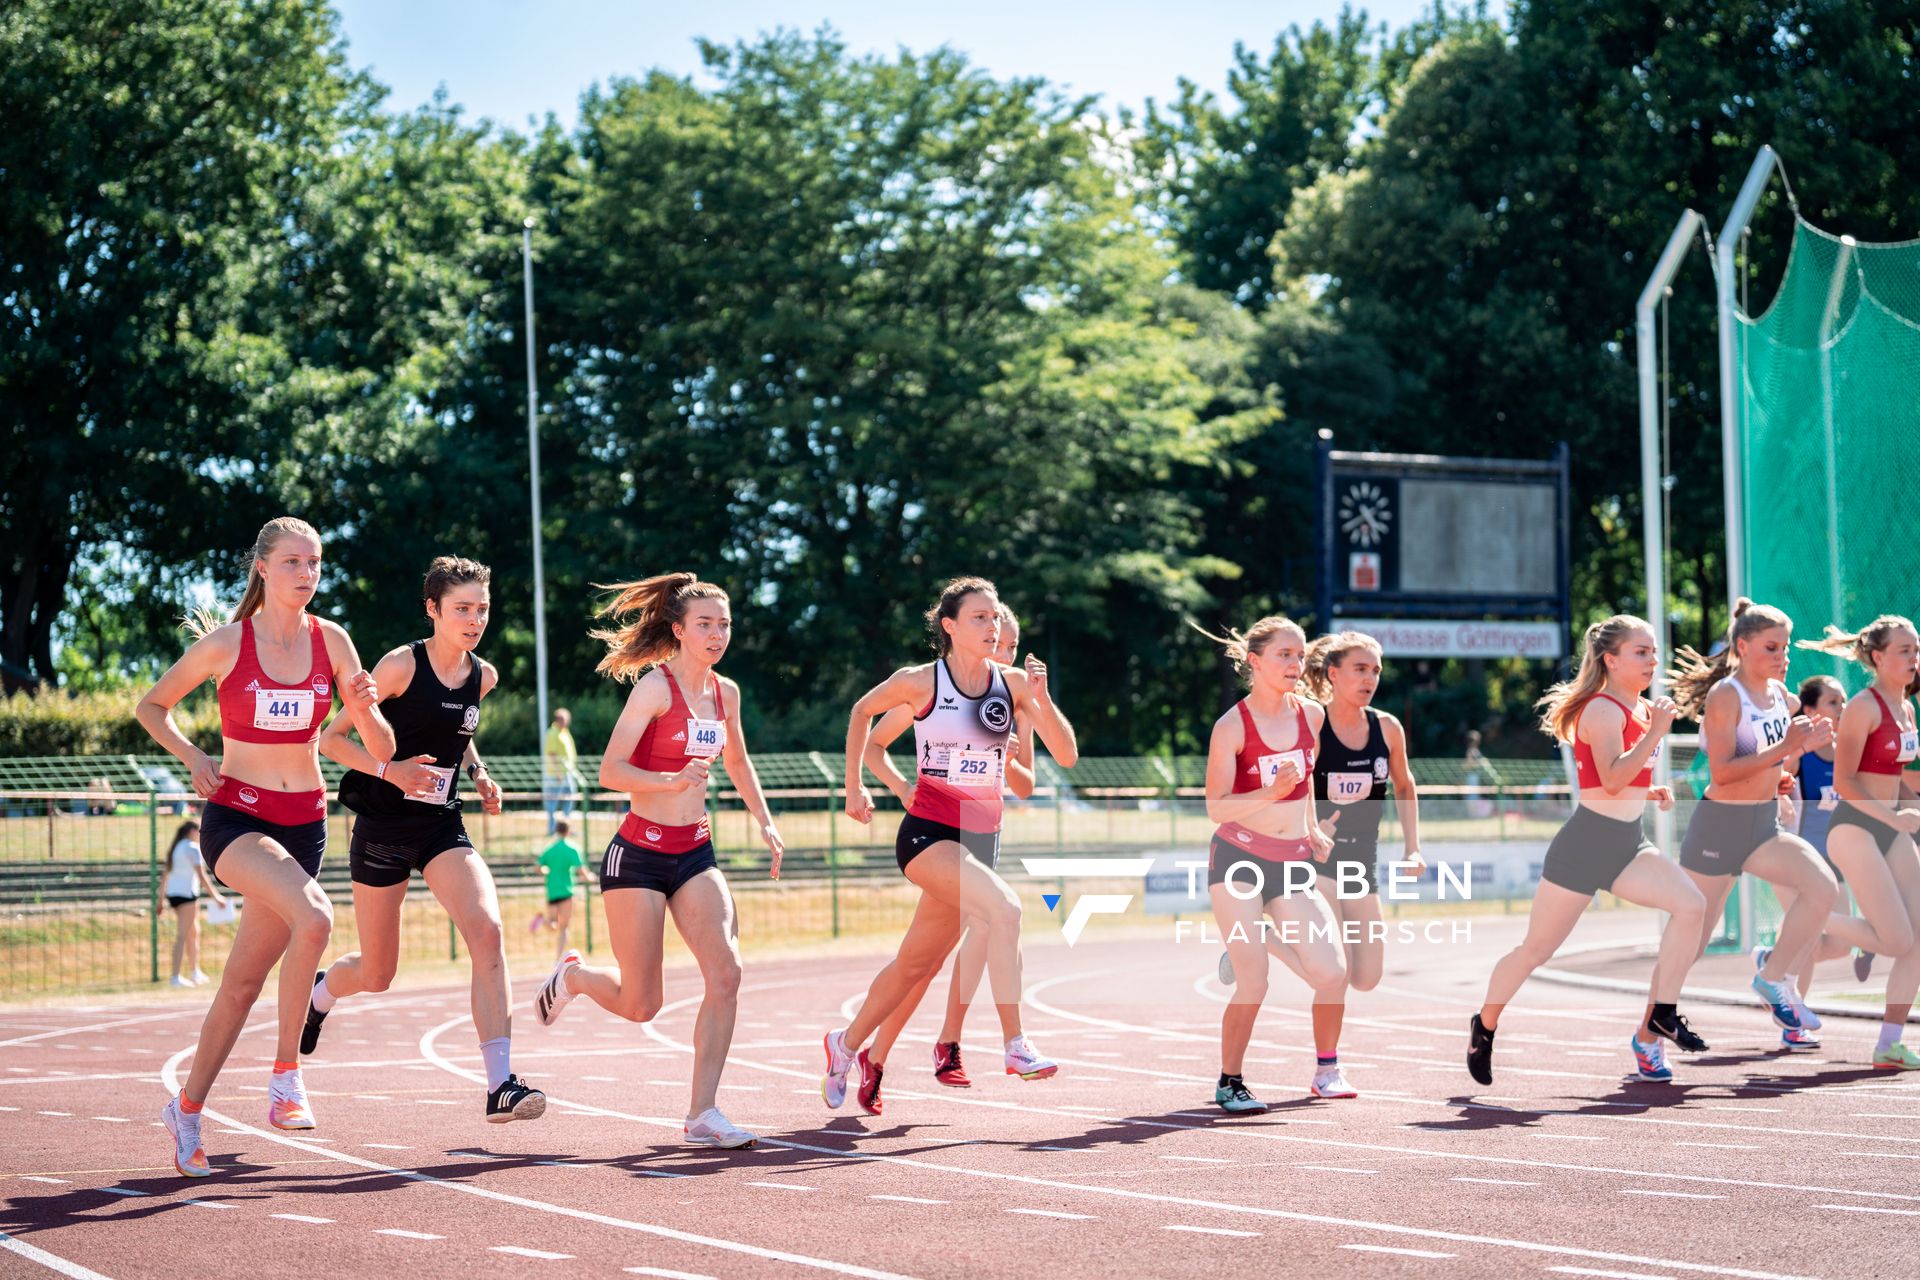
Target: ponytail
1328,652
1693,676
1864,645
1239,647
650,608
201,623
1561,705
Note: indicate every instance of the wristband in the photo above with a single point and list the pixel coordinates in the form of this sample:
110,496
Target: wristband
473,771
381,771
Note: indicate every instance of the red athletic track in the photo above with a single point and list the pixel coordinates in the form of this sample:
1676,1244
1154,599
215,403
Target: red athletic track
1754,1164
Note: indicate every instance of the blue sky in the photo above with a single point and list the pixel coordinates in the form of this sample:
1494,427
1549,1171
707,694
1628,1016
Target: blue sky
515,59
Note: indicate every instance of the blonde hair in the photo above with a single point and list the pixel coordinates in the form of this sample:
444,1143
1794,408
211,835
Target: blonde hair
1561,705
1864,645
203,622
1328,652
948,606
1239,646
1692,675
646,612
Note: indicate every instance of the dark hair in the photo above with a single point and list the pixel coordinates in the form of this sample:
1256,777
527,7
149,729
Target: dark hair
560,827
655,605
189,825
1810,690
448,572
948,606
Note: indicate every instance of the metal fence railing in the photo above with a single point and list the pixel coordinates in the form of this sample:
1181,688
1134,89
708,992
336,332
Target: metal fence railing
84,845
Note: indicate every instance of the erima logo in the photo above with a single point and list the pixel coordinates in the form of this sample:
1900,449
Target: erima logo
1092,904
946,702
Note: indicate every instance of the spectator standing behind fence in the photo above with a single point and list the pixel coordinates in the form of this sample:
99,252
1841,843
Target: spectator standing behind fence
563,864
560,777
186,877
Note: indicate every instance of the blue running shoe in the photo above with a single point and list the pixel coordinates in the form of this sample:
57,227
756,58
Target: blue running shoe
1778,1001
1792,1039
1809,1020
1651,1061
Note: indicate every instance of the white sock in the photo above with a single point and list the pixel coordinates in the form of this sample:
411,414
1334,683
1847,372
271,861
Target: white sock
1890,1033
323,997
494,1053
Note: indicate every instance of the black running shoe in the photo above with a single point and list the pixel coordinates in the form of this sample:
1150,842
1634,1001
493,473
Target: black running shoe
1673,1026
310,1034
514,1100
1480,1051
1862,965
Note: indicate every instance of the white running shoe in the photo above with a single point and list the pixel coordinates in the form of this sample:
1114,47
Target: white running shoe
1809,1020
553,995
179,981
188,1157
1332,1083
833,1085
287,1102
199,979
1226,969
1027,1062
711,1129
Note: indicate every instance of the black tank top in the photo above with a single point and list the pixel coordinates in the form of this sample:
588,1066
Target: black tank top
1353,783
427,719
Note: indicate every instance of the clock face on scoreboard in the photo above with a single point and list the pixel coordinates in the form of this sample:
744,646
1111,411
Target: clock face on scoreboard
1366,514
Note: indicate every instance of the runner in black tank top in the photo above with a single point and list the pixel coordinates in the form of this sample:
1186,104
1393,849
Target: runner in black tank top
409,818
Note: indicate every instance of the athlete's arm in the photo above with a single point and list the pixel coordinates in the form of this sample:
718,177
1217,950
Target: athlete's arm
208,658
1020,774
879,763
1857,723
1603,727
1406,795
359,692
1030,691
647,703
746,779
907,687
206,882
1319,834
391,675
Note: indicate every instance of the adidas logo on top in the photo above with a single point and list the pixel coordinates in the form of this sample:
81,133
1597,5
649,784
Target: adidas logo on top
253,686
680,736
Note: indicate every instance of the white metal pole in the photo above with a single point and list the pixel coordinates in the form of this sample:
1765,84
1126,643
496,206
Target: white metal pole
1652,521
1730,390
533,485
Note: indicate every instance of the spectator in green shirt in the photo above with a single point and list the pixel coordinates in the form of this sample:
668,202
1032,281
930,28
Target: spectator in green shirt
562,863
560,776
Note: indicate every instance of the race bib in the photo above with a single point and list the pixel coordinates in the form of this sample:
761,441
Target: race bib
1769,729
1348,788
973,769
706,738
1829,798
1270,765
1909,746
283,710
442,784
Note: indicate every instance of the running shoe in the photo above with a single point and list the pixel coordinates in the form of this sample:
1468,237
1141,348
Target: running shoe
1234,1098
1479,1051
538,923
1332,1083
1897,1058
1025,1061
188,1158
310,1034
1650,1062
1862,965
868,1094
711,1129
287,1102
1808,1018
515,1100
833,1085
553,995
1675,1027
946,1065
199,979
1775,994
1226,969
1792,1039
179,981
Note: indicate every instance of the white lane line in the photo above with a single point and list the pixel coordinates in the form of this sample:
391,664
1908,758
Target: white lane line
387,1146
1870,1208
51,1261
906,1199
661,1173
542,1254
120,1191
1608,1275
783,1186
35,1177
1405,1253
1566,1137
407,1235
207,1204
1043,1148
1886,1115
170,1077
1209,1231
114,1119
1334,1168
56,1113
1672,1195
1881,1155
665,1274
302,1217
1200,1159
96,1026
1055,1213
1719,1146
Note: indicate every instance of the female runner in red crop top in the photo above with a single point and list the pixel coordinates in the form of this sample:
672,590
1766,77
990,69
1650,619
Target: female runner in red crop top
1260,792
265,825
680,715
1871,836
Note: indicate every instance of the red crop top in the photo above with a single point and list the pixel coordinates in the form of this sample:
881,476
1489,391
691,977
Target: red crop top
679,736
1889,749
1256,763
1630,733
254,707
